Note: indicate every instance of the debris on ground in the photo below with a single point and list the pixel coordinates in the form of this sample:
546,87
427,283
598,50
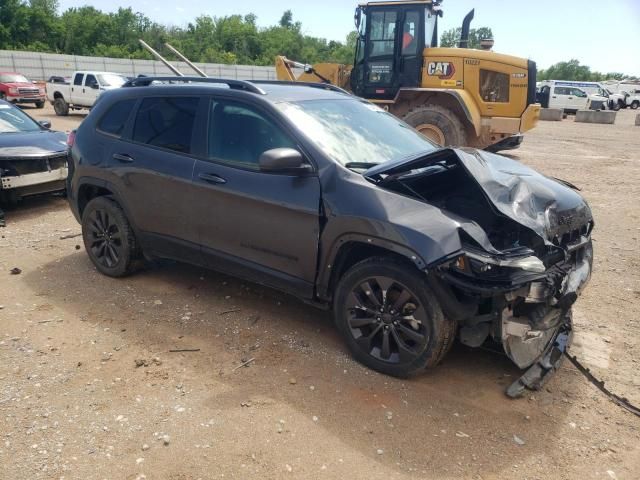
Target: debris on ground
15,271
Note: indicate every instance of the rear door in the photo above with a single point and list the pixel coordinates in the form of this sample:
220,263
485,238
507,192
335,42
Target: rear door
262,226
559,97
76,88
411,48
154,168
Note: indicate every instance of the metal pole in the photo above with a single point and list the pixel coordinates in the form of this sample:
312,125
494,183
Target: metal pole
186,60
161,58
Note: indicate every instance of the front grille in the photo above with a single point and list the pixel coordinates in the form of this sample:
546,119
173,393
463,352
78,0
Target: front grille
571,236
29,91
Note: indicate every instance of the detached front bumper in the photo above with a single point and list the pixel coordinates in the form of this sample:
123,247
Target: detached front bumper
543,369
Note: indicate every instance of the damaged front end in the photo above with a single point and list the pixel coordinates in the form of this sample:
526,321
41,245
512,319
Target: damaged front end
525,252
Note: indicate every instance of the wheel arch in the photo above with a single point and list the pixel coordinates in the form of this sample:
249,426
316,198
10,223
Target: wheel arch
351,249
90,188
57,95
458,101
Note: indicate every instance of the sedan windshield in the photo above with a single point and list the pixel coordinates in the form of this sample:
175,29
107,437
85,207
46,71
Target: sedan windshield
13,78
111,80
356,132
13,120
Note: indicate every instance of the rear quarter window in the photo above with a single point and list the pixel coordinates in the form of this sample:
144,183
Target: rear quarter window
114,121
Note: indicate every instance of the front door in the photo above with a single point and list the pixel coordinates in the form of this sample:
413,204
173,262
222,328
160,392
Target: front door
411,49
261,226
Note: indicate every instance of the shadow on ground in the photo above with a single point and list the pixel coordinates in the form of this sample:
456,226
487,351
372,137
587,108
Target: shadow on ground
457,410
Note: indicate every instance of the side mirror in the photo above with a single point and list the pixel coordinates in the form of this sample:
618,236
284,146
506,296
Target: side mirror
45,124
95,86
283,160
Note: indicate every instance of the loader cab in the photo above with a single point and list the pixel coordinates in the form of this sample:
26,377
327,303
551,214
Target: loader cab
391,41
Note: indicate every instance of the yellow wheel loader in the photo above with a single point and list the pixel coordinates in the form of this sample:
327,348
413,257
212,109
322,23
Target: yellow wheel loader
454,96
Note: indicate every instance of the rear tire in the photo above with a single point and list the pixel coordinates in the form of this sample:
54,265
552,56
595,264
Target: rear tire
635,104
61,107
108,238
418,335
438,124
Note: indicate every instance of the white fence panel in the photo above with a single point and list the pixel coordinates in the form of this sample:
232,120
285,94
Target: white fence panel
41,66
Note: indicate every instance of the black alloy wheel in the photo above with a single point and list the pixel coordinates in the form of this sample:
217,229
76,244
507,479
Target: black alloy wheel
108,237
390,318
387,320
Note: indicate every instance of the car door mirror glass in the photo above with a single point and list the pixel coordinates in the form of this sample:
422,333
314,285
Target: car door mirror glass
283,160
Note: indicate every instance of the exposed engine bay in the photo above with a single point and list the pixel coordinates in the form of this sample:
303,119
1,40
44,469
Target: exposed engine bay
526,252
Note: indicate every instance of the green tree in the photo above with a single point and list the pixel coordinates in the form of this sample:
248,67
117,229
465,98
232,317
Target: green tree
451,37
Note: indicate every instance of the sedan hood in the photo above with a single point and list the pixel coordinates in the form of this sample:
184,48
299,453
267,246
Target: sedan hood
548,206
32,144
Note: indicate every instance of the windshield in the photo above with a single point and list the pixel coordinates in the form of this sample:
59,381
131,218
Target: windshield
13,120
13,78
354,131
111,80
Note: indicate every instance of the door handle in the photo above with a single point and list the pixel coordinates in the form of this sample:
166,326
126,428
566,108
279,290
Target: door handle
554,97
570,98
212,178
122,157
83,90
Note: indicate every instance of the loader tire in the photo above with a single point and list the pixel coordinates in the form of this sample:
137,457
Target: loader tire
438,124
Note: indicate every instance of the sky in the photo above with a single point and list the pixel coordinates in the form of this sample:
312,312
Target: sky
602,34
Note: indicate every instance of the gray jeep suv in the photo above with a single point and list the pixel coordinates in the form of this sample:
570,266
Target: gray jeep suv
309,190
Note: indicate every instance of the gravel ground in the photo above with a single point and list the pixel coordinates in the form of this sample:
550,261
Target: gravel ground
90,390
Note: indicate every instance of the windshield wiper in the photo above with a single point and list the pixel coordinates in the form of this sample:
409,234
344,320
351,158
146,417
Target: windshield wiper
360,165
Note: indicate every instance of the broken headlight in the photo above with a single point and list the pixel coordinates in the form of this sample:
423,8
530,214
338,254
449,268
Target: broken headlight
479,263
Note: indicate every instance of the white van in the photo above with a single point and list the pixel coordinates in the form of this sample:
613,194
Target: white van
567,97
596,90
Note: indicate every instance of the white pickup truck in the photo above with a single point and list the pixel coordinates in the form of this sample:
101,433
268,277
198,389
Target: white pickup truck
82,91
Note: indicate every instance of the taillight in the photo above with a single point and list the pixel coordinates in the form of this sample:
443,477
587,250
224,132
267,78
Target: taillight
71,139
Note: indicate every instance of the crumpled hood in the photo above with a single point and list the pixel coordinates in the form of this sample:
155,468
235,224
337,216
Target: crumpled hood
21,85
32,144
545,205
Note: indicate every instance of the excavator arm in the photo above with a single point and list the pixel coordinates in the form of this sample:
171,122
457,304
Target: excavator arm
333,73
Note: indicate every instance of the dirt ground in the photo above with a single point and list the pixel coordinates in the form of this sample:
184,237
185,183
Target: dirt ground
90,390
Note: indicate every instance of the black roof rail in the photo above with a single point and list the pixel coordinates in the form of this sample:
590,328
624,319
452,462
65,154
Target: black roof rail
323,85
233,84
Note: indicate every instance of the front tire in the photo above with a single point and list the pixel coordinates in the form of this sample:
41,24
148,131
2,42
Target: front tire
438,124
108,237
635,104
61,107
390,319
40,104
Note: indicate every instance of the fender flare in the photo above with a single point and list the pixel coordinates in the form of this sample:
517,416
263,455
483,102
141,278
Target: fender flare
98,182
327,262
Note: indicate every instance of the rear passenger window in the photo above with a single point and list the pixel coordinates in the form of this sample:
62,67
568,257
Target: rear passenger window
166,122
77,80
113,122
238,134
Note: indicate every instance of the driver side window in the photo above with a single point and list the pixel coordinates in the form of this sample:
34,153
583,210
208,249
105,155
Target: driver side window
239,134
